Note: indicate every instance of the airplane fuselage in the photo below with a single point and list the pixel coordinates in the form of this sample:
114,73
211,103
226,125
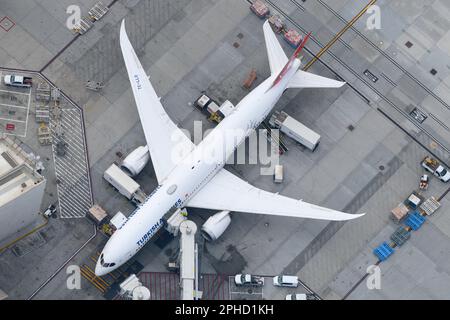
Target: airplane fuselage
195,171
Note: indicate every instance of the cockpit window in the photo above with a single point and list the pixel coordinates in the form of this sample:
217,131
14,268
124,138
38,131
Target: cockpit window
106,265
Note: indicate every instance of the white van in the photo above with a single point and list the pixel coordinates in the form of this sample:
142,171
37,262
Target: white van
285,281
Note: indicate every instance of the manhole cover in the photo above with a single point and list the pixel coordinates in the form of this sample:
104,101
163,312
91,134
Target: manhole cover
381,168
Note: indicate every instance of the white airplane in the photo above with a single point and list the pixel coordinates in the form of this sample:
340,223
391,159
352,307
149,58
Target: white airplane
198,178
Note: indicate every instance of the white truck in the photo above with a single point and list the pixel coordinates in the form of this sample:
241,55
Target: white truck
294,129
278,174
249,280
124,184
433,166
17,81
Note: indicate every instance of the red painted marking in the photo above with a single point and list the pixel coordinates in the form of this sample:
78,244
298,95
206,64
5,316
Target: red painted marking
7,18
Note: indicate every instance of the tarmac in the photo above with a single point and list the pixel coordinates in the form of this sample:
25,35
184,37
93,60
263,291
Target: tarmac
368,159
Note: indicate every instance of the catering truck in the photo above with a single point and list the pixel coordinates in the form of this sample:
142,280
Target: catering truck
294,129
433,166
124,184
17,81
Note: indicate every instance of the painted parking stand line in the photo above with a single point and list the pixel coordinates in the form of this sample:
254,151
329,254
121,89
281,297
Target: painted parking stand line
12,106
13,120
15,92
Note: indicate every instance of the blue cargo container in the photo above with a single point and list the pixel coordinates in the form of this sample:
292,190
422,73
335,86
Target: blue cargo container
415,220
383,251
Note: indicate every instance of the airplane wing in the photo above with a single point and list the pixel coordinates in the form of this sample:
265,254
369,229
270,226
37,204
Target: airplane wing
226,191
275,53
166,142
302,79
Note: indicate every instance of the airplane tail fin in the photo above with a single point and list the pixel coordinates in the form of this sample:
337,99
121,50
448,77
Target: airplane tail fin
280,64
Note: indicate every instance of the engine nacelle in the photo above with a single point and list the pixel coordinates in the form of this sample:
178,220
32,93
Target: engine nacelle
133,164
216,225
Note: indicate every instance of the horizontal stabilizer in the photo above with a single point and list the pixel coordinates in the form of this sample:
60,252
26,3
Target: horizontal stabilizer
303,79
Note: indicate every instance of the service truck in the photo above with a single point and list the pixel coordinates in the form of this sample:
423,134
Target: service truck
249,280
433,166
124,184
294,129
17,81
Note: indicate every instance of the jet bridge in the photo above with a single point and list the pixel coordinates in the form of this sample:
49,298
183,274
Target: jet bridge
188,261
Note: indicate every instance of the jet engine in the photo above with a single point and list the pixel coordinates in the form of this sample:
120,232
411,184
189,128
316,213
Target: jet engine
136,161
216,225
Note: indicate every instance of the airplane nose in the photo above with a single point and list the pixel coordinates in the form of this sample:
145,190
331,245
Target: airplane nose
99,270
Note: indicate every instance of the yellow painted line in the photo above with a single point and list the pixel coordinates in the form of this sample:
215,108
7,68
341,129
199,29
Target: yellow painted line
94,276
93,279
24,236
99,287
339,34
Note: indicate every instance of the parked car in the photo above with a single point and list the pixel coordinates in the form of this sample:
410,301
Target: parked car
285,281
300,296
50,211
17,81
247,279
433,166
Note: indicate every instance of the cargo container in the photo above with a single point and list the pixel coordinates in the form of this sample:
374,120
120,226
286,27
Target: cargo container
123,183
294,129
226,109
260,9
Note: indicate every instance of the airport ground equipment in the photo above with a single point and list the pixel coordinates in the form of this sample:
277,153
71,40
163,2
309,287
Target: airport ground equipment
248,280
401,235
415,220
132,289
278,174
98,11
430,206
97,214
15,80
414,200
432,165
399,213
424,181
118,220
292,37
124,184
294,129
188,261
251,77
383,251
260,9
43,92
282,148
277,23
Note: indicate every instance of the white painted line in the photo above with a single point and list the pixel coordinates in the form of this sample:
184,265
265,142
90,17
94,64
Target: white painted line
21,121
26,94
13,106
28,112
